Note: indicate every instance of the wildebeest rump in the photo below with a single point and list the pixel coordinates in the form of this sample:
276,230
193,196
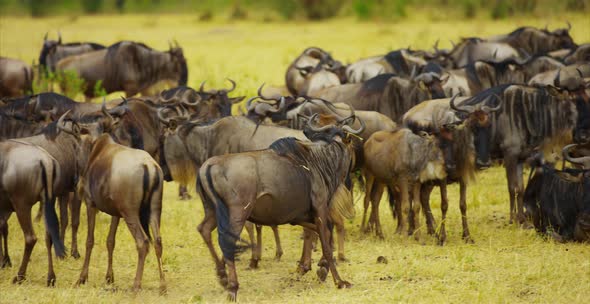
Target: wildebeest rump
16,78
54,50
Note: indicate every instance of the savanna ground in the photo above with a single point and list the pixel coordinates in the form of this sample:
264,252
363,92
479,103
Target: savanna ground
506,263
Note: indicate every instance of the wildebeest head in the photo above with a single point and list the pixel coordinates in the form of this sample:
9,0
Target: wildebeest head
478,119
329,128
177,65
49,46
572,86
583,161
313,70
432,83
561,39
219,98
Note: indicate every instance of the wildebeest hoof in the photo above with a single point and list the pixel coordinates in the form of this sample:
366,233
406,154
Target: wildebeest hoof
253,264
342,258
303,269
278,255
110,278
344,284
322,273
81,281
18,279
468,239
51,280
136,288
163,289
6,262
185,197
232,296
75,254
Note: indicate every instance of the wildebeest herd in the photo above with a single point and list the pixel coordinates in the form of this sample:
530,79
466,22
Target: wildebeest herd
404,122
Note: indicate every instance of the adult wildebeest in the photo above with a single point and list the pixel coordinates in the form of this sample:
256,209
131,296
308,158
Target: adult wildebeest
387,94
292,182
473,49
536,41
16,78
126,66
27,175
402,160
314,69
572,75
559,201
400,62
580,55
456,142
124,183
480,75
53,51
530,118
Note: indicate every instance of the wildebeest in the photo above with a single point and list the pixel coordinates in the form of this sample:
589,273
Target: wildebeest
304,193
456,142
124,183
16,78
530,118
474,49
536,41
126,66
53,51
480,75
314,69
27,175
402,160
387,94
580,55
559,201
572,75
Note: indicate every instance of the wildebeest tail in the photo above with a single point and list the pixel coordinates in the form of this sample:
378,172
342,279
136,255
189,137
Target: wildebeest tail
226,238
51,220
145,209
28,81
391,198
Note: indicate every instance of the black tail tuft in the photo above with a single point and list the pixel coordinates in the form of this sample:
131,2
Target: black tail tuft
226,238
390,192
51,221
145,207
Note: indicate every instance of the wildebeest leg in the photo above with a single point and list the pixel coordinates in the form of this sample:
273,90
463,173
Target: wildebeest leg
256,249
520,194
183,193
91,214
339,224
141,244
279,250
155,225
205,228
236,221
416,209
75,204
444,206
24,219
374,218
404,216
512,171
425,192
324,234
305,261
463,205
50,271
4,257
369,182
110,277
63,215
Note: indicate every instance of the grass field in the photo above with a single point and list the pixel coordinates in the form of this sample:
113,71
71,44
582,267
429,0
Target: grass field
506,263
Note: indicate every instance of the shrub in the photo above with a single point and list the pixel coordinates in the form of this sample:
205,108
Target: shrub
91,6
320,9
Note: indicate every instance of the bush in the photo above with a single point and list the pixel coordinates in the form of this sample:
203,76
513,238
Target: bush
320,9
501,9
38,8
91,6
362,9
469,8
286,8
70,83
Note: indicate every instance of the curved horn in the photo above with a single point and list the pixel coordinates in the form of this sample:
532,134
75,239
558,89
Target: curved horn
59,38
166,121
315,129
569,25
61,125
233,83
574,160
249,103
494,109
202,86
435,46
580,72
556,79
103,108
189,103
452,43
265,97
454,107
45,37
166,101
358,131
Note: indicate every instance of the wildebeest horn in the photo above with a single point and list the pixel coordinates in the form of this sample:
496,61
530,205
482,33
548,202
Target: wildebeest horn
176,45
454,107
166,121
45,37
569,25
452,43
556,79
166,101
265,97
580,72
202,86
574,160
523,60
413,74
495,54
435,46
315,129
233,83
494,109
189,103
59,38
103,108
61,125
357,131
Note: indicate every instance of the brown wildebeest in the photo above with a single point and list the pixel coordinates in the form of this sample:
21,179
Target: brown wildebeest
16,78
400,62
124,183
402,160
536,41
291,182
54,50
126,66
27,175
314,69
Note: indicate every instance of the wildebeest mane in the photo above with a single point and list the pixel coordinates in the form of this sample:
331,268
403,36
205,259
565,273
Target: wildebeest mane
375,84
397,60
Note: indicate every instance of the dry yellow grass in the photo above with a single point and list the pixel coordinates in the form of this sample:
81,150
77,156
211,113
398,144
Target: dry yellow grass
506,264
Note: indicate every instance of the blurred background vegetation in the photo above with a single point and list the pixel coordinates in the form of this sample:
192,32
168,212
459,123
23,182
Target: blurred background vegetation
285,10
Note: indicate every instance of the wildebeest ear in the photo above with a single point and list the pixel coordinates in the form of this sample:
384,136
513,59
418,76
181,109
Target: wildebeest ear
237,99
